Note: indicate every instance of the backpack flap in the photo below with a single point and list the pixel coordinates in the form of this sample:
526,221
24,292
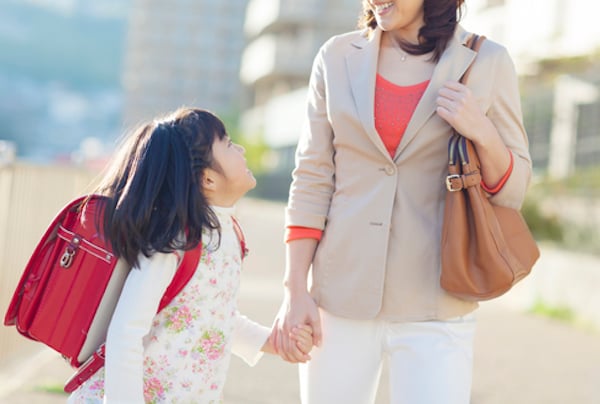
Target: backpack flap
24,301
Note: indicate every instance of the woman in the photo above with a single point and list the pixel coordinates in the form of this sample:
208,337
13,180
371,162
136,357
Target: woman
365,209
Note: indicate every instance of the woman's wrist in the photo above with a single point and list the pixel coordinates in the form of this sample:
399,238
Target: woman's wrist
295,287
487,135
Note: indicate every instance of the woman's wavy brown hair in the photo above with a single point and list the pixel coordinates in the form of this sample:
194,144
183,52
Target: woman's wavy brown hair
441,17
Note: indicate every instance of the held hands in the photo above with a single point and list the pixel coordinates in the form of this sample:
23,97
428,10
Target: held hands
303,336
300,343
297,328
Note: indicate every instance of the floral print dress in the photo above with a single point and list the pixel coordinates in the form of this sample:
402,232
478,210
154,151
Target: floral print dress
185,355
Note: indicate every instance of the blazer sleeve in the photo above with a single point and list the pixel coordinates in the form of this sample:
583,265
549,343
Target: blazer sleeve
313,177
506,114
131,322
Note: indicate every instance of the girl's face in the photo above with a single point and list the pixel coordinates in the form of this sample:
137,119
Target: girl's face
399,15
230,178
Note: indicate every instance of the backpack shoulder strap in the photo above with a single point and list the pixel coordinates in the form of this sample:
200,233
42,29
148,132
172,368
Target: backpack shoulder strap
190,263
240,234
184,273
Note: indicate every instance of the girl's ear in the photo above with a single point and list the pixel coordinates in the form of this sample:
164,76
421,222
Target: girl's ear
208,180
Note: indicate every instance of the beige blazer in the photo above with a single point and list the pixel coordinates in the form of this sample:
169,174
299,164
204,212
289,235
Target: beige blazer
382,217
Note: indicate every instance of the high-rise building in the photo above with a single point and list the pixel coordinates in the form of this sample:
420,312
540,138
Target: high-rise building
183,52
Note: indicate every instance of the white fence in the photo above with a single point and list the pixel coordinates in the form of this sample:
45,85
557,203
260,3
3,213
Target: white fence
30,196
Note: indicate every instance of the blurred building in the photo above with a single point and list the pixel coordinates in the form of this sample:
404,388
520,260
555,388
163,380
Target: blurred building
183,52
283,38
535,30
556,48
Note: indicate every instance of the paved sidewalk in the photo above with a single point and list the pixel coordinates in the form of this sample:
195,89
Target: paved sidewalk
519,358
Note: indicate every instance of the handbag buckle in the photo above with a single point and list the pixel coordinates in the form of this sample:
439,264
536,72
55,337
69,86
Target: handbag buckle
449,179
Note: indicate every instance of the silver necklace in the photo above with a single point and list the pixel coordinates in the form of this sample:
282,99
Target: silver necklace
396,45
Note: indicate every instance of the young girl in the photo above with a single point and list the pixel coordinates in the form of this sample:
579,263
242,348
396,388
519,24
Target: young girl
173,186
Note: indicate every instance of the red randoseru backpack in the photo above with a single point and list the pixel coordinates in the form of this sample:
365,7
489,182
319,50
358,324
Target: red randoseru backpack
71,285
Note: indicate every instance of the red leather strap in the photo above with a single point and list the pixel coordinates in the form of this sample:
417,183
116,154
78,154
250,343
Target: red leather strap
182,276
240,234
86,370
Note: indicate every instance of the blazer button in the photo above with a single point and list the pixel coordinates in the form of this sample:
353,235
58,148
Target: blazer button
390,170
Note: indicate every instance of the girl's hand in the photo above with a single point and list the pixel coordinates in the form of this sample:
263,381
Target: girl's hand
302,334
301,338
296,310
457,105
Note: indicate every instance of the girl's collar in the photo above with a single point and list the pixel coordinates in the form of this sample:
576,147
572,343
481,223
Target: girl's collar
224,210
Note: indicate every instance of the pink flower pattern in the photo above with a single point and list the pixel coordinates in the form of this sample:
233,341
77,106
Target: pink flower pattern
187,350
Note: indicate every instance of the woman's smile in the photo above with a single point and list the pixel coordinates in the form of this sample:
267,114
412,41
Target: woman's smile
383,8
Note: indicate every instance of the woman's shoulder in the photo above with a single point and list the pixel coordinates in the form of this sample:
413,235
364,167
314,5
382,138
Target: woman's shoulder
494,49
489,47
345,41
493,55
497,57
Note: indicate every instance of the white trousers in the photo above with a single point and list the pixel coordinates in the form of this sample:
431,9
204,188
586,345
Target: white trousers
430,362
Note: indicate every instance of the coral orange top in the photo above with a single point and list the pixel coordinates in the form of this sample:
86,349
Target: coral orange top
394,107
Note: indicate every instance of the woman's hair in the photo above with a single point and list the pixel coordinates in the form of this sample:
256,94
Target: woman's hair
441,17
155,198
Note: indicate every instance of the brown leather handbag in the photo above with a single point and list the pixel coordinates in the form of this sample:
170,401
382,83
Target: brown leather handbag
486,248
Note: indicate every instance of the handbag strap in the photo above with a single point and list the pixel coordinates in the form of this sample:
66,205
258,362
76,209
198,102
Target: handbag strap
474,43
463,162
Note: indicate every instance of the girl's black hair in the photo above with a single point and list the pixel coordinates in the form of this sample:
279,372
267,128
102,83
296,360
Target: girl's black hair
441,18
155,198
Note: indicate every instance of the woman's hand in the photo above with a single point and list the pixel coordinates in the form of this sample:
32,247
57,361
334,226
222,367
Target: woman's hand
457,105
302,342
297,310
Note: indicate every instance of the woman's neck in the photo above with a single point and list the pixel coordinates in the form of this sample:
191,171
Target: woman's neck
401,68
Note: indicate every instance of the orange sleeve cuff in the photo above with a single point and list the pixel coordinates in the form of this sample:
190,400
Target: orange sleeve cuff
502,181
298,232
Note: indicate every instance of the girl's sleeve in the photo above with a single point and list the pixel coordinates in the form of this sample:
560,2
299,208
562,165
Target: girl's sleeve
248,339
131,322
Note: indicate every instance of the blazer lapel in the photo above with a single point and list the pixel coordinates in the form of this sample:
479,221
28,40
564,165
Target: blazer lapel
451,66
362,70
